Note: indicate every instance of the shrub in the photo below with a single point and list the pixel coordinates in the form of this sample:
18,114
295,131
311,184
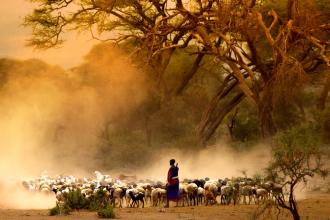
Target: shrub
106,212
54,211
97,200
60,210
75,200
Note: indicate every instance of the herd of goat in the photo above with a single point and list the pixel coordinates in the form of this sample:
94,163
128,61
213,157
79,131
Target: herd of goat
240,190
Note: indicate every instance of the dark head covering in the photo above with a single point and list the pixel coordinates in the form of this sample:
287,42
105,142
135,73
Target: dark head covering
172,162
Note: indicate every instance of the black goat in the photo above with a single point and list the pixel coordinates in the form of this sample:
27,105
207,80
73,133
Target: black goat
136,198
199,182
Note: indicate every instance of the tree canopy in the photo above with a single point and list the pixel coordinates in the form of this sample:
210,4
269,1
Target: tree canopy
265,51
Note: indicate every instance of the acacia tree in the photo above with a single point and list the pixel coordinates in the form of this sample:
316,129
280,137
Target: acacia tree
235,34
296,159
118,20
232,32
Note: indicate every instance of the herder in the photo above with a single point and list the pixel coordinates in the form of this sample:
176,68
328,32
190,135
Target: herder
173,193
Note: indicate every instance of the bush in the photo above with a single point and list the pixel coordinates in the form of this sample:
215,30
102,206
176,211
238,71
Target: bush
97,200
106,212
60,210
55,211
75,200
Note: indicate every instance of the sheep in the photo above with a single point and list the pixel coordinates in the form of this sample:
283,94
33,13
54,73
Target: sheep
140,189
46,190
154,197
199,182
58,194
183,193
158,196
192,189
235,189
29,185
200,194
148,191
261,194
226,194
101,180
272,188
136,199
246,191
86,192
214,186
162,195
209,198
267,185
136,190
117,193
277,191
128,195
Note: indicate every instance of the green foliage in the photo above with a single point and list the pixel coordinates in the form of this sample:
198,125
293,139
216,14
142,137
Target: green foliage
62,209
106,212
297,154
75,200
98,200
247,128
244,125
304,136
54,211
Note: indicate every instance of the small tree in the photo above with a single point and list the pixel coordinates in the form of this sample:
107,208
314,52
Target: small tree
297,157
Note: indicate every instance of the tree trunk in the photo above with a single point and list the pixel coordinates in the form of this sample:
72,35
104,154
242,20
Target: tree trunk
232,125
294,212
267,124
218,109
213,119
293,204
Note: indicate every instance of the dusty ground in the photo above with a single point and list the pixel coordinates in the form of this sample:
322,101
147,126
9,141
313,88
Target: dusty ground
315,207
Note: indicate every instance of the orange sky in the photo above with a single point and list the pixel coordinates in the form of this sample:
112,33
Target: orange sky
13,38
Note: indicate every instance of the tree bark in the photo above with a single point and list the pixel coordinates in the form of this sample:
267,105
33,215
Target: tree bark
290,9
267,124
295,215
294,208
232,125
213,120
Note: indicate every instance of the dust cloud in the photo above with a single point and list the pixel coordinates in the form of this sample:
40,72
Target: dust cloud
14,196
51,118
218,161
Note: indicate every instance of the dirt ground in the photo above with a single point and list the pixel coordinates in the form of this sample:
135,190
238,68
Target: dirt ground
315,207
